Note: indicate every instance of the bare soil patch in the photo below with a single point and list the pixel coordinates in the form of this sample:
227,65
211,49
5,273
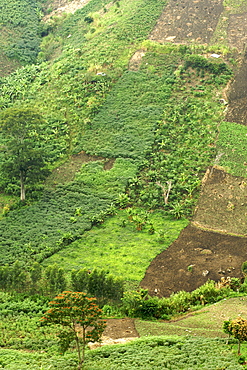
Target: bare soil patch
222,205
237,96
211,256
66,172
135,60
118,331
237,30
188,21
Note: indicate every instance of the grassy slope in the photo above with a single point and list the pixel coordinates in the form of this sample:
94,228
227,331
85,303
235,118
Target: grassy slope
122,250
206,322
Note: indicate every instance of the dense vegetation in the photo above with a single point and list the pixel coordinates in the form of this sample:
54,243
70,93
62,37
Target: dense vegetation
21,328
150,149
150,133
21,33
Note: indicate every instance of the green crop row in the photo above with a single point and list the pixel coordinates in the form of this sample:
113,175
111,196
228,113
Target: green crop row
146,353
62,215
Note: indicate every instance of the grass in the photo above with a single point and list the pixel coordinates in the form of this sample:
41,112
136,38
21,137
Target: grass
206,322
122,250
232,148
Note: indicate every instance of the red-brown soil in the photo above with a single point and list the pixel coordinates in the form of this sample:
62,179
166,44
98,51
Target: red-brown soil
120,328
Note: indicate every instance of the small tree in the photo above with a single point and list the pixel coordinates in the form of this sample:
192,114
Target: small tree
80,318
238,329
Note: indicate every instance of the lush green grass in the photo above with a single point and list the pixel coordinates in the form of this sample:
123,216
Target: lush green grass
232,148
118,247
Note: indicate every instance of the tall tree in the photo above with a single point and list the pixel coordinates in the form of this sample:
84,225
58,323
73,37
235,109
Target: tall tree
80,318
23,156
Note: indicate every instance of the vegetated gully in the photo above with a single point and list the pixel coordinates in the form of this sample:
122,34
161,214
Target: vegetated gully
214,251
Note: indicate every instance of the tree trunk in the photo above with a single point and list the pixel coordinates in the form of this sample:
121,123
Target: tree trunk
80,355
239,348
23,195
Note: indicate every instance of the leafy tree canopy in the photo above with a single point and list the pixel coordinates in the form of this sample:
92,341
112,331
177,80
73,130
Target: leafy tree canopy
80,318
23,156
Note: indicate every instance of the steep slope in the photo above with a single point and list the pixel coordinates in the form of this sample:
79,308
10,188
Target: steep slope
222,203
96,99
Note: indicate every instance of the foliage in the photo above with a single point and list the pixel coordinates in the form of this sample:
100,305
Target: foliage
164,352
97,283
23,157
55,278
231,147
70,309
187,123
139,304
19,327
200,63
55,223
238,329
20,22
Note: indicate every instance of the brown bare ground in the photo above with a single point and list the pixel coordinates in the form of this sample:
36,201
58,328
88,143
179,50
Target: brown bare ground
188,21
210,255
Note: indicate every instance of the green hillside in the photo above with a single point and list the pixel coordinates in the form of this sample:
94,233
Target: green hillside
21,33
125,130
